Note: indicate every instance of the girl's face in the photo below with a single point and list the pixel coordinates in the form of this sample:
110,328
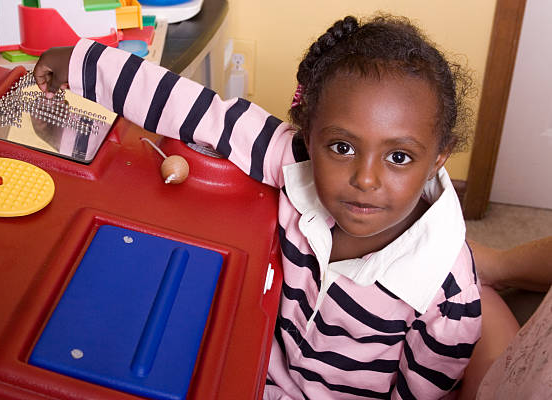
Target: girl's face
373,147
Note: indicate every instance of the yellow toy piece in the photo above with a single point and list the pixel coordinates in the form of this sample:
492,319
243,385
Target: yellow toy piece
24,188
129,15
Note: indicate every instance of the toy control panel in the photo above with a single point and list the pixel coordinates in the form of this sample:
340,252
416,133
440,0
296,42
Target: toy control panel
122,286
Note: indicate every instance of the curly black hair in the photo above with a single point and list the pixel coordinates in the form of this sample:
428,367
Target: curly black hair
383,44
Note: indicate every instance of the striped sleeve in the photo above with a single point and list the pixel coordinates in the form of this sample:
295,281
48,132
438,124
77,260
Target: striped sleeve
440,342
173,106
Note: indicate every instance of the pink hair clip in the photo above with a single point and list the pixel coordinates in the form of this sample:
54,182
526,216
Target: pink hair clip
297,96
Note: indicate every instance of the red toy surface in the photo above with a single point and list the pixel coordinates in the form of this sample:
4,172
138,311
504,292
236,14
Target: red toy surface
146,34
217,207
43,28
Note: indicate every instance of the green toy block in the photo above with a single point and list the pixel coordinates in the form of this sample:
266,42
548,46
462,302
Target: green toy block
31,3
18,56
96,5
148,20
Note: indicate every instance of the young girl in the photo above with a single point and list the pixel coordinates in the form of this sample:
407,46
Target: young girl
380,297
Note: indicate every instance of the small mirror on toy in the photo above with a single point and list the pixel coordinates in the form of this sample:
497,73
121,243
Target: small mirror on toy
68,125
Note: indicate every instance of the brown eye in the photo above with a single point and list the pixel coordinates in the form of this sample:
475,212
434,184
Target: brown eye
399,157
342,148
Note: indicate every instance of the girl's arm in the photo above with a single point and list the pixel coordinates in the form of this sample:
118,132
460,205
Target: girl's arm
440,342
173,106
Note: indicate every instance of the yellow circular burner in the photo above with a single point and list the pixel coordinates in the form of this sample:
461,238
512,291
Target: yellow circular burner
24,188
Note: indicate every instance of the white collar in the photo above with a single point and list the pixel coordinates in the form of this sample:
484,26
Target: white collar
412,267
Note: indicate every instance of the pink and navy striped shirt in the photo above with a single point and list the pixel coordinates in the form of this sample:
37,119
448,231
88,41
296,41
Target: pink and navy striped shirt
400,323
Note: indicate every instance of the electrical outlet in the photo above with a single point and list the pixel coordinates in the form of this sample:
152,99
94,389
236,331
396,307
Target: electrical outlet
248,49
238,61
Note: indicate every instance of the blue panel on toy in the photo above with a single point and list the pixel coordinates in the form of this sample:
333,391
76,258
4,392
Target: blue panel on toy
137,47
162,2
132,317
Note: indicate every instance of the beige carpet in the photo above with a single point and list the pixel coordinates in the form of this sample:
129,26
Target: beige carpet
506,226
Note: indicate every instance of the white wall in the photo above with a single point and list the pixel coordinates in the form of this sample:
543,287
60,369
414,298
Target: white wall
523,173
282,31
9,27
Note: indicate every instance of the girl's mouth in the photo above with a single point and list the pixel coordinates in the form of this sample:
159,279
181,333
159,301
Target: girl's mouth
362,208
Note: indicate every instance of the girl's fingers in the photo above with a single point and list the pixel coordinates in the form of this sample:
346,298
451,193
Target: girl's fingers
43,76
42,86
51,70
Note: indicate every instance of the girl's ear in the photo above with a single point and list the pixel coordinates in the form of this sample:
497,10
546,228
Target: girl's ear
439,162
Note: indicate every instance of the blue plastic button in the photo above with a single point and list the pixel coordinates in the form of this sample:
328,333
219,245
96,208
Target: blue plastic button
136,47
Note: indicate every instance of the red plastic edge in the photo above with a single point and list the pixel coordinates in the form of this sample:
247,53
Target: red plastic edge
42,28
8,78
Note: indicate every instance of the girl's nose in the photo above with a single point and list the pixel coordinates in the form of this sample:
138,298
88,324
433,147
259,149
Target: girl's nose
366,175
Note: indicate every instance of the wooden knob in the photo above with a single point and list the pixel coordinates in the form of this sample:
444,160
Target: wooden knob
175,169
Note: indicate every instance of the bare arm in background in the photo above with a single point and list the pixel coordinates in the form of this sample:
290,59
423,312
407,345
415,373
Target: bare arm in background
527,266
522,370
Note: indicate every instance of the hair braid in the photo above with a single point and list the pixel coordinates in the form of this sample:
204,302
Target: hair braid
305,77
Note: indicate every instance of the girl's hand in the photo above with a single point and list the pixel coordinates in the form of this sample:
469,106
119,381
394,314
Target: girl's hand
52,70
